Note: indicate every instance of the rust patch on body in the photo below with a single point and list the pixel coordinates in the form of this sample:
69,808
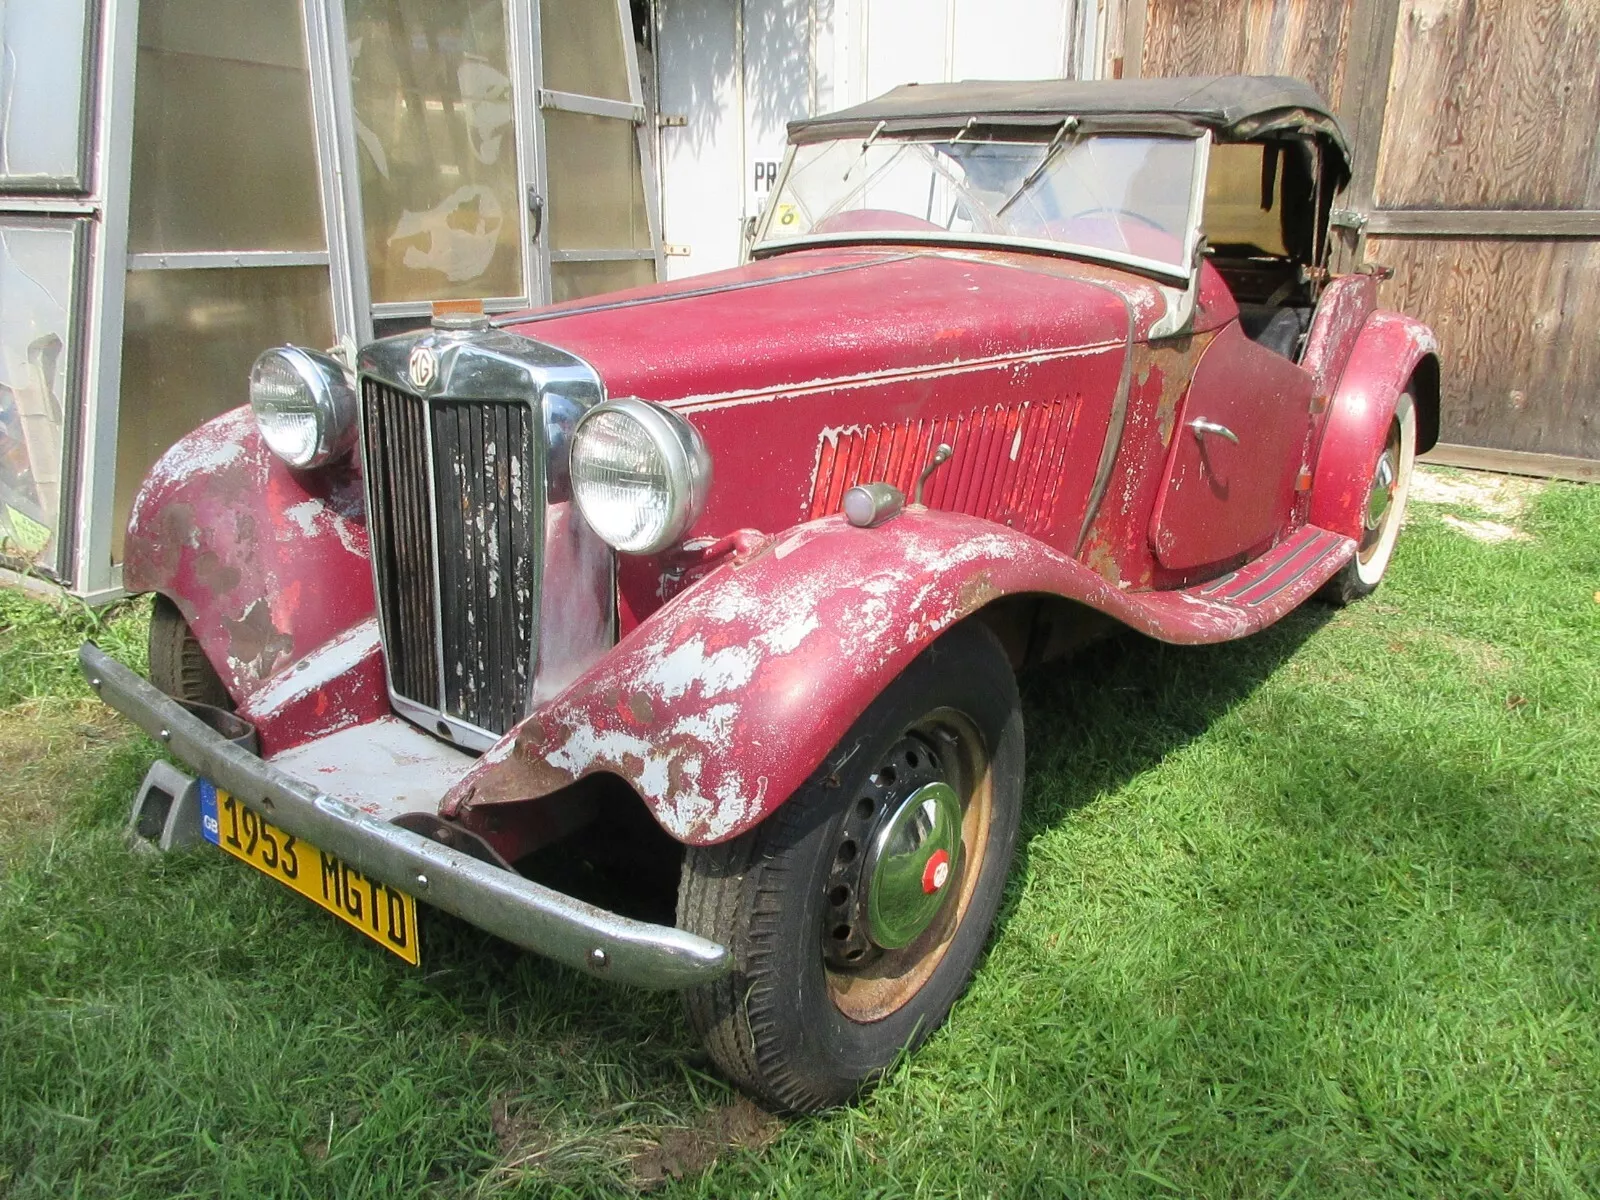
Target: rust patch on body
216,576
254,641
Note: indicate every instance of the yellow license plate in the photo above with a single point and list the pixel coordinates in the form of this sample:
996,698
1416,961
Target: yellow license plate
387,916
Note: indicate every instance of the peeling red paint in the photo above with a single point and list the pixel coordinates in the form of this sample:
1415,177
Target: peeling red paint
267,564
745,697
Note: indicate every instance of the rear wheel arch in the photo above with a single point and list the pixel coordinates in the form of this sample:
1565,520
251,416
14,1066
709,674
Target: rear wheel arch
1424,389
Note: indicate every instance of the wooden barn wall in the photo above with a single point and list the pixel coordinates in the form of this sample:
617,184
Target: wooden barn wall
1476,125
1518,322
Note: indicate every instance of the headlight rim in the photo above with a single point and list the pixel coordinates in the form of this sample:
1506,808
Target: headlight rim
687,460
335,407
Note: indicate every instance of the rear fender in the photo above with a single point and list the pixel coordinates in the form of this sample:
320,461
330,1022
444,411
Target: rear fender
266,564
719,705
1390,350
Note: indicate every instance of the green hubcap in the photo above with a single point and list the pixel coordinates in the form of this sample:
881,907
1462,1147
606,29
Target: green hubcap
913,865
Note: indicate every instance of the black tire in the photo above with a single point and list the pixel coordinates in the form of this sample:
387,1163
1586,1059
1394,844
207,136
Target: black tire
178,666
777,1025
1360,576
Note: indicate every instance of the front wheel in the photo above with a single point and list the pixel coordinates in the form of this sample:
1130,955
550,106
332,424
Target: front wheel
1384,511
856,913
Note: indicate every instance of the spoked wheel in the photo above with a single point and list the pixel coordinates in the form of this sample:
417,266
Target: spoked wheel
857,912
1385,509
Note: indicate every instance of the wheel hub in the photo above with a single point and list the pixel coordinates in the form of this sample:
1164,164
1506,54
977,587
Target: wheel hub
910,865
897,857
1381,494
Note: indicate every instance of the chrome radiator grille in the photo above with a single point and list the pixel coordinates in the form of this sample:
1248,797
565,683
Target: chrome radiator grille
455,534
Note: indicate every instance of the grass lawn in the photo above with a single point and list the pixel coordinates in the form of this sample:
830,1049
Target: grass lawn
1312,914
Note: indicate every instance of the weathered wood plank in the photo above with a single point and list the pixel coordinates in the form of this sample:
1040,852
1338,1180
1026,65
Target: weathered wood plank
1493,104
1517,324
1307,38
1515,462
1486,222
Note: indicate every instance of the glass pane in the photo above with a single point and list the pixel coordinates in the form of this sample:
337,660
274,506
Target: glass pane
442,204
582,48
189,338
596,189
224,157
38,267
42,61
1127,195
575,280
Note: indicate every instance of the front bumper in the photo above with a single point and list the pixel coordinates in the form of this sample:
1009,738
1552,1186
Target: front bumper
498,901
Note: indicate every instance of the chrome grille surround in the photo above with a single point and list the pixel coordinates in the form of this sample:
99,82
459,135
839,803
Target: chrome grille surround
543,584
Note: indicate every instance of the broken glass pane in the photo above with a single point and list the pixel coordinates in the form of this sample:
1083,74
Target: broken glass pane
38,269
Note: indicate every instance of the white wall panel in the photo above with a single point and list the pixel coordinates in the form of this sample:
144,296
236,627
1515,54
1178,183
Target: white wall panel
1010,39
907,41
702,161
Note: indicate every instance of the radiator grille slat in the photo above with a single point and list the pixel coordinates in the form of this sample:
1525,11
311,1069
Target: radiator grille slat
397,481
482,625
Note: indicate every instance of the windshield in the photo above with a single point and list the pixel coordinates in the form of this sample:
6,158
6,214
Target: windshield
1126,198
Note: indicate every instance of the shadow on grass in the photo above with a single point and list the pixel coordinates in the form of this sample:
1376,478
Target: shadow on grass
1092,722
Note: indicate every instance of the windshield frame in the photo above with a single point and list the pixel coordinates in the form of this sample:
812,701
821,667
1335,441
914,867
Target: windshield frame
1180,273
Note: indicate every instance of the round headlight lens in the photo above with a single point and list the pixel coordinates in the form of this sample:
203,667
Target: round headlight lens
640,474
305,405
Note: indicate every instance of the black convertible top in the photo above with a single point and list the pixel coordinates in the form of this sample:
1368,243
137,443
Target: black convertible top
1235,107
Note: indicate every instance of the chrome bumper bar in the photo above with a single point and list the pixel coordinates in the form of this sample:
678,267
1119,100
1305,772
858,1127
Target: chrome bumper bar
505,904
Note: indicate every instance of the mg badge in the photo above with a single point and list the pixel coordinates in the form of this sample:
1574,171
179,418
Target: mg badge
422,368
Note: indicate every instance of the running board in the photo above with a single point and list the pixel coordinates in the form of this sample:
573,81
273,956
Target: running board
1253,597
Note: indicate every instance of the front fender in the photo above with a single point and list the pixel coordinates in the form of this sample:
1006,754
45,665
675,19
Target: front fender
264,562
718,706
1389,351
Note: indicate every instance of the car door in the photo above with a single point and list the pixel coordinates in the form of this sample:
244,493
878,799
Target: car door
1230,479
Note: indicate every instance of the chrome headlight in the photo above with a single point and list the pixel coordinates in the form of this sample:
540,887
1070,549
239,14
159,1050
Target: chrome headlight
640,474
305,405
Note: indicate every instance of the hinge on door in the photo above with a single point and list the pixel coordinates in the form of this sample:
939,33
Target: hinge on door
675,249
671,120
1348,218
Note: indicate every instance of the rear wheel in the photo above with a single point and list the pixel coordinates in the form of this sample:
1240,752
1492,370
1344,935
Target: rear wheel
178,666
1384,511
857,912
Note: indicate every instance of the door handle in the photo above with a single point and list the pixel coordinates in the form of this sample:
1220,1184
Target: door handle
1201,427
535,215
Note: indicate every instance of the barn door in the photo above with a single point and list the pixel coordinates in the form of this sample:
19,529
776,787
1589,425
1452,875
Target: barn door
1476,134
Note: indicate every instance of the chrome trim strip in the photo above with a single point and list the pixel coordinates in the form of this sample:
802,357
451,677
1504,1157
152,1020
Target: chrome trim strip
519,910
693,293
1114,429
1311,564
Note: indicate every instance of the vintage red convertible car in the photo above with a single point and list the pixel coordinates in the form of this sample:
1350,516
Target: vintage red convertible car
758,554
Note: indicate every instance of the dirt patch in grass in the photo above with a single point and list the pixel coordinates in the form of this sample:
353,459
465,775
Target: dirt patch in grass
556,1147
681,1153
48,747
1494,495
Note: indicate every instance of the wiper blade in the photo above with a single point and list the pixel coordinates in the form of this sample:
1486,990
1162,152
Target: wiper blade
1055,145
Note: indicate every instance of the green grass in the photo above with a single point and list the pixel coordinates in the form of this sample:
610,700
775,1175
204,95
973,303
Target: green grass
1316,914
